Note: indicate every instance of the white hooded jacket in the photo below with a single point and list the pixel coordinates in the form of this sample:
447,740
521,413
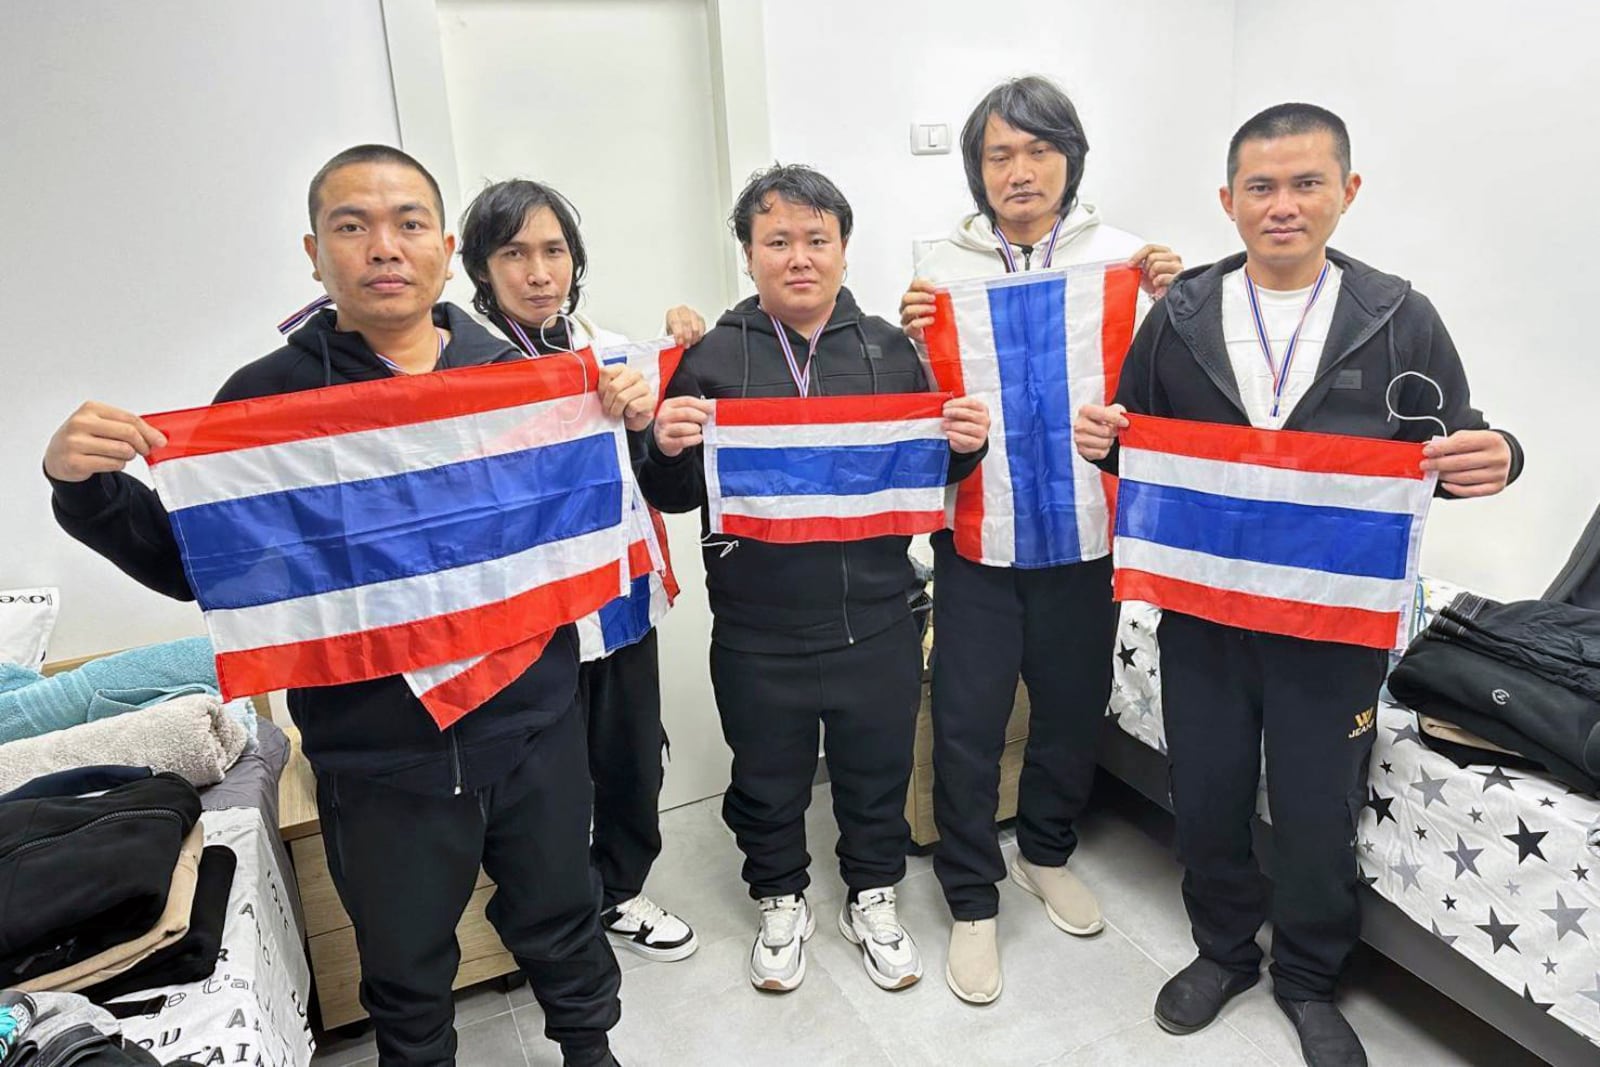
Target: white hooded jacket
972,250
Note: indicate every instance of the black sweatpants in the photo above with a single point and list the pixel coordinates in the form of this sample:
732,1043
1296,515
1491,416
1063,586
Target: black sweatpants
405,864
621,696
1224,691
865,695
1054,626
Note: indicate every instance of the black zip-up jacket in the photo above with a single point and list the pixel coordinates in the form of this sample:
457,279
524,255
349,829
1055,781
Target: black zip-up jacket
808,597
376,729
1178,366
81,874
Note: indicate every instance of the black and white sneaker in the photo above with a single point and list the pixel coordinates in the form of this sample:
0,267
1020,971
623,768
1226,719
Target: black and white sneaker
650,930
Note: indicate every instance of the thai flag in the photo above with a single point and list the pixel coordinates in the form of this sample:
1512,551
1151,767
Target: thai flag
1304,534
652,590
384,527
839,468
656,360
1035,347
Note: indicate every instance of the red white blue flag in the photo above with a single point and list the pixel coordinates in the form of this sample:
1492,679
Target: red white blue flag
1034,347
844,468
394,526
1303,534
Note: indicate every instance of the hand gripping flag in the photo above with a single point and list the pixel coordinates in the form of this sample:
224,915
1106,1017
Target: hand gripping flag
1304,534
657,361
1035,347
838,468
393,526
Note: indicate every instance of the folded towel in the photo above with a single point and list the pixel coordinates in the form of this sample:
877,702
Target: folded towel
31,705
191,736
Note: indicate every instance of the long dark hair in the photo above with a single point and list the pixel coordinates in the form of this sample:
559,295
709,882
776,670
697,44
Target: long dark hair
493,220
1033,105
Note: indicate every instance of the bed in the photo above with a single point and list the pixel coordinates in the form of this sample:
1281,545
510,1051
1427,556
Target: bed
1481,880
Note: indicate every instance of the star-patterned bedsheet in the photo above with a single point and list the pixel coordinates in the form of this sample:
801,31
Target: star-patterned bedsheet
1494,863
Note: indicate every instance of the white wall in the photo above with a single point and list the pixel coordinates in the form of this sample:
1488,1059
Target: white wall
154,158
1473,129
1152,81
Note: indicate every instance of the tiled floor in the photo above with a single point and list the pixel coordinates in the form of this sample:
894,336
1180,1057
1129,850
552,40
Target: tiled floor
1067,1002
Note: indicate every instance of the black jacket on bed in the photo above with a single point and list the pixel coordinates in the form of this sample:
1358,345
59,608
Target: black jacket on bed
376,728
81,874
1524,675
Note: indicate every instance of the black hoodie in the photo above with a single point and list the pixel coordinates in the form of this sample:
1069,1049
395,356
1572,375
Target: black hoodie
376,729
1178,365
807,597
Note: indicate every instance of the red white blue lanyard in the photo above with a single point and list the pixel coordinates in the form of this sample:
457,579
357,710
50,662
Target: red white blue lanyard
298,319
801,375
1010,257
1280,374
392,365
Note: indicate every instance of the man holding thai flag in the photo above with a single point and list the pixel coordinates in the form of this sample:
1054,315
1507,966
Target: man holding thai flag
410,811
805,432
1283,556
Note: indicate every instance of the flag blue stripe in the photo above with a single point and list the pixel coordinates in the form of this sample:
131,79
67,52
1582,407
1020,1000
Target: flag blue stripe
277,546
1347,541
1030,334
847,470
626,619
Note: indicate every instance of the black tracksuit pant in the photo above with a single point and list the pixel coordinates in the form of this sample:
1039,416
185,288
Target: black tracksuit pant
773,707
620,695
406,863
1054,626
1224,692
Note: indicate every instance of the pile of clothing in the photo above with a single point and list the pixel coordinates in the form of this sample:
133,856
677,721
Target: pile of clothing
106,886
65,1030
1513,684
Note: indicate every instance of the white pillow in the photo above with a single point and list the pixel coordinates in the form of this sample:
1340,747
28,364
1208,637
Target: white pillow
27,616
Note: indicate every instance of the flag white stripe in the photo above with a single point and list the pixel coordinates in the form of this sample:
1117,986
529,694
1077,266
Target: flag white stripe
327,460
1249,481
827,506
980,372
1315,588
1084,316
828,435
405,600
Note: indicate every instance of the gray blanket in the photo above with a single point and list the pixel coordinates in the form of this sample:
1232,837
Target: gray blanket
190,736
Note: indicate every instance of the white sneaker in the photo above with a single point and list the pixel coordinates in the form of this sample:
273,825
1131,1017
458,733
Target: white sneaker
890,956
778,958
650,930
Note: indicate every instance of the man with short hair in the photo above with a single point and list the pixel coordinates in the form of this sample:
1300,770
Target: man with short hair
409,812
1294,335
1049,619
817,634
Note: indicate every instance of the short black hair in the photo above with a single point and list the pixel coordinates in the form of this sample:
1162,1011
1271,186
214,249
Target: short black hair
1033,105
1290,120
494,218
368,153
796,183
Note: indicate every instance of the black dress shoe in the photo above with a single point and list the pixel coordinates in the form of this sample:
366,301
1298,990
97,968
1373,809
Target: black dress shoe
1326,1039
1192,998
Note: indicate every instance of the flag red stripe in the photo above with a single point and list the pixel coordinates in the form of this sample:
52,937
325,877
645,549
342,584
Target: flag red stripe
374,405
1291,618
383,651
848,528
451,700
1298,450
823,410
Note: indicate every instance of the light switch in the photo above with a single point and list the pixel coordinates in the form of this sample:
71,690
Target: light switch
930,138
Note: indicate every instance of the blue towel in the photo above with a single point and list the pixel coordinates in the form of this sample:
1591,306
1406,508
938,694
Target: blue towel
31,705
